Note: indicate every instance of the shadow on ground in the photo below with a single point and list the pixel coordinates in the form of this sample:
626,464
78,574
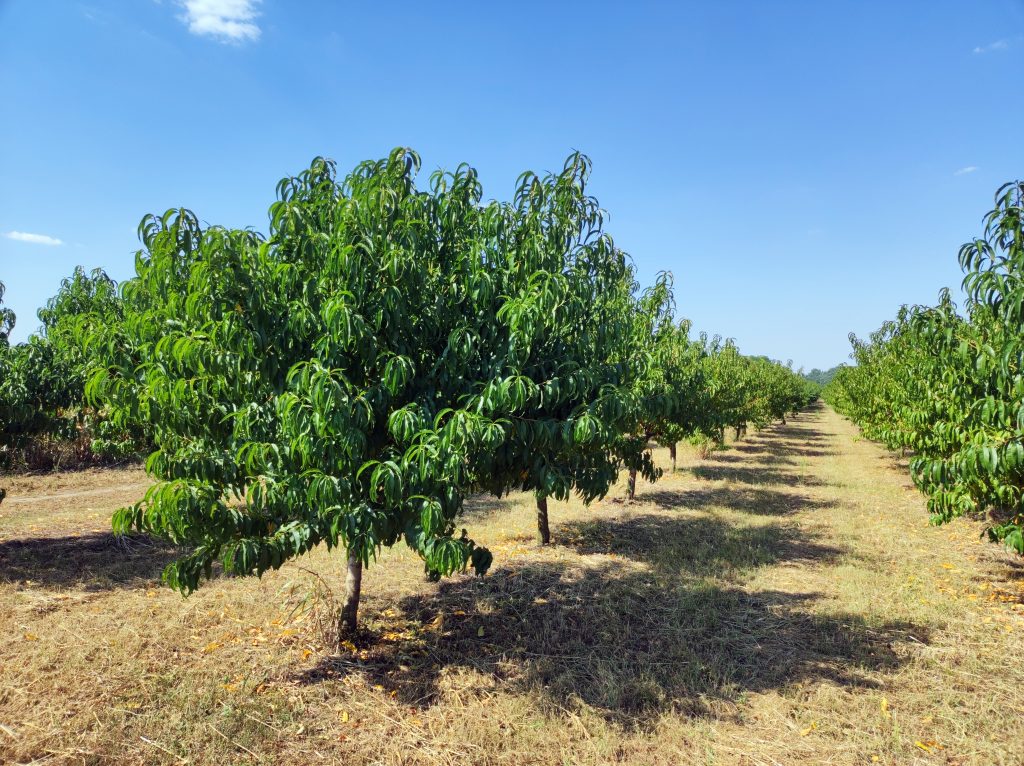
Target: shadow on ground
771,456
696,545
779,449
748,499
625,643
756,475
96,561
657,626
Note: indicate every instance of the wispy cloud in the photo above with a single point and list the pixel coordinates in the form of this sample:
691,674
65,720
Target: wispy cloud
229,21
998,45
35,239
966,170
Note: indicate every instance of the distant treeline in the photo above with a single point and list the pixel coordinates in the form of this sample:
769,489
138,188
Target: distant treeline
822,377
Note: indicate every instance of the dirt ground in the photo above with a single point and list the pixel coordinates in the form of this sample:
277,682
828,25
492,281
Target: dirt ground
782,602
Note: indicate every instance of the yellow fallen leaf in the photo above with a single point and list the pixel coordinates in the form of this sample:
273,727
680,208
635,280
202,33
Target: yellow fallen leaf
809,729
212,647
306,653
875,759
922,746
480,631
344,716
884,705
31,637
948,566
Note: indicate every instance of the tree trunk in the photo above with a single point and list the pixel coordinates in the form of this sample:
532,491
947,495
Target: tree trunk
631,485
738,433
672,454
543,529
350,606
783,420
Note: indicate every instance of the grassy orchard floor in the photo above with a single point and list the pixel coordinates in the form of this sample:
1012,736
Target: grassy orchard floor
784,602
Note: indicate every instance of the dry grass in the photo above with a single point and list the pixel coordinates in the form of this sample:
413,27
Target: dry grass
783,601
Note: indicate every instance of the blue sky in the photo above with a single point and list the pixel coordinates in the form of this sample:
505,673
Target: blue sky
803,168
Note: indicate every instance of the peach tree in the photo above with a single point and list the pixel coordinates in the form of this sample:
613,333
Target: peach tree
348,379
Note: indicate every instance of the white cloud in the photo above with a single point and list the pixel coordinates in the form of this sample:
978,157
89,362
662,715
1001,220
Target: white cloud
230,21
35,239
998,45
966,170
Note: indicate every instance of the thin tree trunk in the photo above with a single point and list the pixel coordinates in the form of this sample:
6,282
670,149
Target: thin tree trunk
543,529
672,454
353,584
631,485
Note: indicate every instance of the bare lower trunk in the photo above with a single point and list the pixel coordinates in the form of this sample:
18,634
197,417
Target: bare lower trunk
672,454
353,584
543,529
631,485
783,420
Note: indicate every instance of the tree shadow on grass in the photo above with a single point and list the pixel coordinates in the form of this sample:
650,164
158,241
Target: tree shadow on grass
756,475
782,452
95,561
697,545
749,499
749,457
618,639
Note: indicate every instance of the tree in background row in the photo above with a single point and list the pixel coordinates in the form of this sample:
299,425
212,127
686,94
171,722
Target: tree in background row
42,381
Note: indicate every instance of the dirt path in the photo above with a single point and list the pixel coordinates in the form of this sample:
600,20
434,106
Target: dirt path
918,621
78,494
783,602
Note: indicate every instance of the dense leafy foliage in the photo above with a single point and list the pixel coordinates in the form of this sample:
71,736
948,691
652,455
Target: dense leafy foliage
669,398
43,417
948,385
383,352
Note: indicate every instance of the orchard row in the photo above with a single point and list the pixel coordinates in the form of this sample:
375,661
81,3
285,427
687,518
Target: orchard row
947,385
384,352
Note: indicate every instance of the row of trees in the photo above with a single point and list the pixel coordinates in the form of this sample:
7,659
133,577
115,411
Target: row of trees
948,385
384,352
44,419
